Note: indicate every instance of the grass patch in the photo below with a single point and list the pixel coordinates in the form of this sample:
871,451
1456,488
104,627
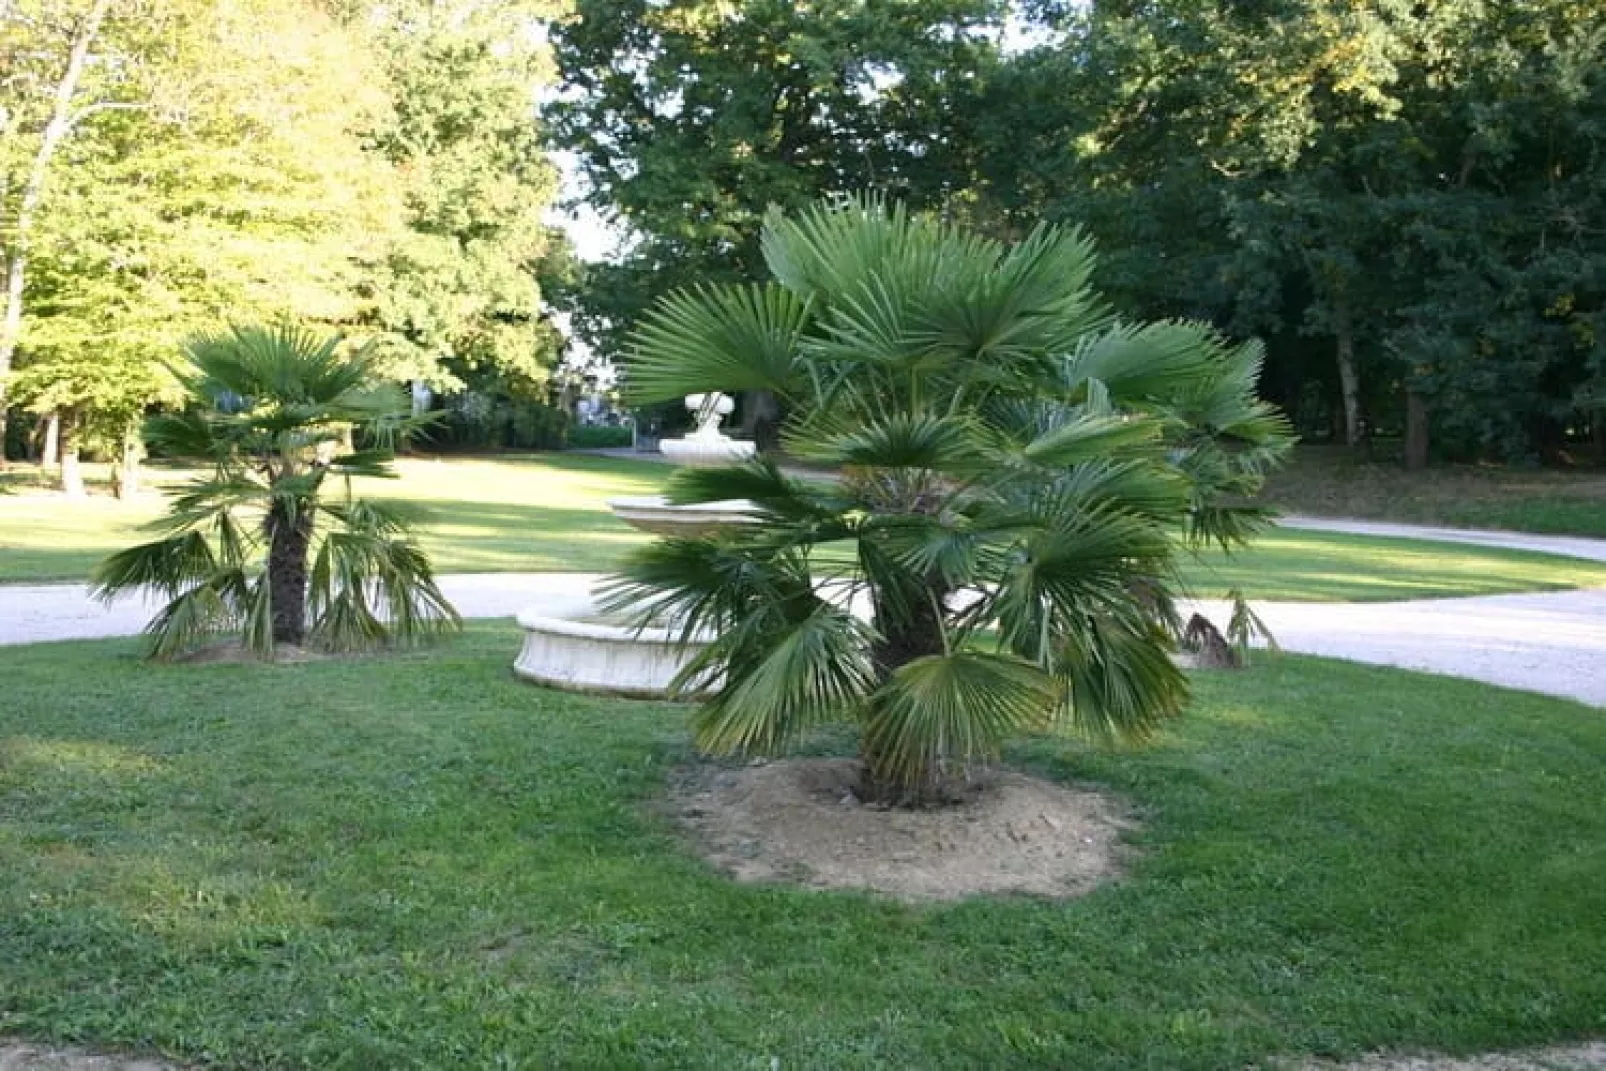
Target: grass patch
420,862
530,513
1300,565
1327,482
543,512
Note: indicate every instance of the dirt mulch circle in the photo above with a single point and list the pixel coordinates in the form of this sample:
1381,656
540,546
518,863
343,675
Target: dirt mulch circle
17,1057
235,653
1587,1057
798,821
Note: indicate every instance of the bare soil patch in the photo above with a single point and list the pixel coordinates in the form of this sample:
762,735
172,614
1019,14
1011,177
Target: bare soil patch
234,652
1587,1057
799,821
23,1057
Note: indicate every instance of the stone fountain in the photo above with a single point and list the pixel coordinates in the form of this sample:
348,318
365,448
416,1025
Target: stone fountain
574,646
706,446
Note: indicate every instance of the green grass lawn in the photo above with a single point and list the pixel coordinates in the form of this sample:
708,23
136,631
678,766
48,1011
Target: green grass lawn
1326,481
1295,564
418,861
508,514
548,512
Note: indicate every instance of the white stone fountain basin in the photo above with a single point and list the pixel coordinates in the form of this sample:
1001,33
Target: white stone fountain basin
567,647
652,513
700,449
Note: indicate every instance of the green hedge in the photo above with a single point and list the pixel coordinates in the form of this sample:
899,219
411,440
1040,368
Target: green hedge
598,436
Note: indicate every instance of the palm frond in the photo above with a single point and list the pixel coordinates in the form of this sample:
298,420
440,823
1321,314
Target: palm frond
953,709
726,339
1122,684
780,682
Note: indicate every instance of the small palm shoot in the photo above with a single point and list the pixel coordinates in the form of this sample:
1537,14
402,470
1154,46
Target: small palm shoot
270,544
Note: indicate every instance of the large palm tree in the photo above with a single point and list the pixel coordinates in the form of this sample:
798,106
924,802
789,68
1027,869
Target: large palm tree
269,543
1019,472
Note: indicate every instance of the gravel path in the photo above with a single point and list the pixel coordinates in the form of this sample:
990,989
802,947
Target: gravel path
1553,642
1570,546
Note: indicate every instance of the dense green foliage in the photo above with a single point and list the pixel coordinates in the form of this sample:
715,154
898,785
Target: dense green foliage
1014,460
418,861
1404,200
691,118
262,544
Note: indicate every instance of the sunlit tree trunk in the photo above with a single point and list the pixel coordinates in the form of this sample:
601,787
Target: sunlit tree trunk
126,484
50,453
72,473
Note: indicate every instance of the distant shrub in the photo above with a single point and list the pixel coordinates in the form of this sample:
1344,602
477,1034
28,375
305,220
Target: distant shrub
474,421
598,436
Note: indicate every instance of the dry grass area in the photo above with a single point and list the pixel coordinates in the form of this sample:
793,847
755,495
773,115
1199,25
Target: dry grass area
1327,482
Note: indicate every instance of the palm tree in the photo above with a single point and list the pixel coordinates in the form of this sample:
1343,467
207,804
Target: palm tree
260,545
1019,473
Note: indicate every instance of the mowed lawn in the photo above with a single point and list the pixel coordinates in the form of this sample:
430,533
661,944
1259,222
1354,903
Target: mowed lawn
418,861
531,513
549,512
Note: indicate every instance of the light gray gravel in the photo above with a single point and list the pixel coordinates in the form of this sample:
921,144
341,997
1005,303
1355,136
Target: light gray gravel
1553,643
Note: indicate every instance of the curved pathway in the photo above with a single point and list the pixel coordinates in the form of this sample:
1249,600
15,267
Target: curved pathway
1553,642
1569,546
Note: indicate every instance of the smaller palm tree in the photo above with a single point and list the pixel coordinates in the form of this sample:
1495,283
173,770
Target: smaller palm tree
259,546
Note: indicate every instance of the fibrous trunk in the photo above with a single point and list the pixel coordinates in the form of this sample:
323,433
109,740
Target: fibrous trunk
909,630
288,540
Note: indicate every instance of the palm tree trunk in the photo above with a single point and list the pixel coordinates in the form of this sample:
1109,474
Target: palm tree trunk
288,542
916,633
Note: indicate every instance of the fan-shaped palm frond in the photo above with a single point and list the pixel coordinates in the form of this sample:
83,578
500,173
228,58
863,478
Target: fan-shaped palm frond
717,338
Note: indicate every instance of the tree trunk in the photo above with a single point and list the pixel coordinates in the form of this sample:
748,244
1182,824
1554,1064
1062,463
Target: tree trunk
1349,382
16,258
916,637
126,484
72,473
761,419
50,453
288,542
1416,431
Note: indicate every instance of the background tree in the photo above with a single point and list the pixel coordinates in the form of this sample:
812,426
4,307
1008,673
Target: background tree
1349,181
258,545
1020,470
229,177
689,119
456,298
